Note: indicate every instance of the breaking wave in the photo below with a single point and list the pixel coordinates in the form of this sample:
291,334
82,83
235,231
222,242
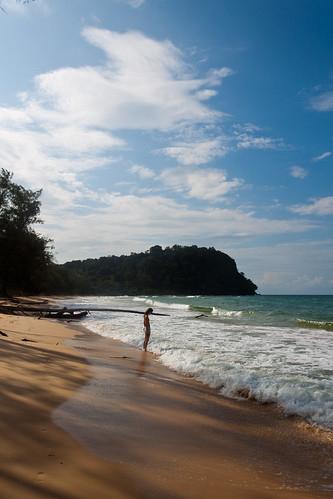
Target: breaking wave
328,326
161,304
226,313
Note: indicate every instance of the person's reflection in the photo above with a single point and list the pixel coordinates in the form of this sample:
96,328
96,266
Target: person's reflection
142,364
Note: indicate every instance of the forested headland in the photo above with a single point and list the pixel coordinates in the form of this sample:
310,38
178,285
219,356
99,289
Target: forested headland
27,264
177,270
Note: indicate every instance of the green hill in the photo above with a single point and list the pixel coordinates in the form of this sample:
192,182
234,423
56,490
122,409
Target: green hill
174,270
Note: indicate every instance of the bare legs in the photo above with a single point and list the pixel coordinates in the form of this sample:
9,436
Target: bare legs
145,343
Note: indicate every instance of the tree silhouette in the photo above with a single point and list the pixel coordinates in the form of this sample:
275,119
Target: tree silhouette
24,254
174,270
23,2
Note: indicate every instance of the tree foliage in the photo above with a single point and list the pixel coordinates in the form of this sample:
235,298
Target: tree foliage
24,254
174,270
23,2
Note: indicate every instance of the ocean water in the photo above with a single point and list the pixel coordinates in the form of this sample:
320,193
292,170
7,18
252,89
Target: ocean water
271,348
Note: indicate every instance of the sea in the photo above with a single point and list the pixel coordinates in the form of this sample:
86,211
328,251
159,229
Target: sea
274,349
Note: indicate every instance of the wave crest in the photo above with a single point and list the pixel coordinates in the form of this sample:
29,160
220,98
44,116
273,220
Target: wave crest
327,326
162,304
226,313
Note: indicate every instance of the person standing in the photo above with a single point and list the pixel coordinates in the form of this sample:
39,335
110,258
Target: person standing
146,326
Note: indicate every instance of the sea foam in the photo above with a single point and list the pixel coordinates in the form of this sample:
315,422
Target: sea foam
156,303
226,313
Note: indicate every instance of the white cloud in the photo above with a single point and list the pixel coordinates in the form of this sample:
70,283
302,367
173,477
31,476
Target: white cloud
322,102
298,172
215,76
206,184
248,137
135,3
129,223
144,84
54,159
67,124
197,152
16,117
200,148
322,156
320,206
164,95
142,171
246,127
246,141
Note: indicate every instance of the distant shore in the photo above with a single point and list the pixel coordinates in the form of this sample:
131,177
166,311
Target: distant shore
140,430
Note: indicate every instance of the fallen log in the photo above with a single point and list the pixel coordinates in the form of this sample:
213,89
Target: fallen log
65,312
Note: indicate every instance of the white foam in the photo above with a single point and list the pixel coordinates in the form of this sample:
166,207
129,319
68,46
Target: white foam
174,306
162,304
226,313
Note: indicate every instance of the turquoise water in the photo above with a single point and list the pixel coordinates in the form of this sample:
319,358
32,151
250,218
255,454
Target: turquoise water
271,348
306,311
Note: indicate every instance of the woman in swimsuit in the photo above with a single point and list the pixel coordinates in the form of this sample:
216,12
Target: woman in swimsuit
146,326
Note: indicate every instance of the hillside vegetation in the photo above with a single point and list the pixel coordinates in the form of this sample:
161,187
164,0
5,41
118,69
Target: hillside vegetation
173,270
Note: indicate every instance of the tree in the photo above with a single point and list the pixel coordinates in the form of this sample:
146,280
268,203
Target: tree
2,8
24,254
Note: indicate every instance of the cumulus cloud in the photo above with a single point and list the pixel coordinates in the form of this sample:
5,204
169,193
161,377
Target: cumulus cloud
200,149
320,206
72,119
322,156
246,141
135,222
250,136
322,102
215,76
164,95
298,172
206,184
142,171
197,152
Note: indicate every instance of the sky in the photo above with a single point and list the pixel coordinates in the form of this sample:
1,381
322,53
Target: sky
176,122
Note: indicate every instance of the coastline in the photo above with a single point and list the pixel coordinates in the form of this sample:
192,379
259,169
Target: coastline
157,433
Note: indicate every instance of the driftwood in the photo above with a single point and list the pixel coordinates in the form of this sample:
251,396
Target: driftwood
63,313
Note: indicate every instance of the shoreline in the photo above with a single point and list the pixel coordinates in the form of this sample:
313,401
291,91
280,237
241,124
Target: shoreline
140,429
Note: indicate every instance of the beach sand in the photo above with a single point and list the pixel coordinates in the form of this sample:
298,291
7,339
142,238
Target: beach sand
83,416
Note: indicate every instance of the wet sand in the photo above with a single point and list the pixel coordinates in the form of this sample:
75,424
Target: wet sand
126,426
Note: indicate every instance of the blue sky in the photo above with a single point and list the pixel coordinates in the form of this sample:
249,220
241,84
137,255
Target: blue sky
176,121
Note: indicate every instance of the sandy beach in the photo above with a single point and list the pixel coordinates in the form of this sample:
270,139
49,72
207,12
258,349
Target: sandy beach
83,416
